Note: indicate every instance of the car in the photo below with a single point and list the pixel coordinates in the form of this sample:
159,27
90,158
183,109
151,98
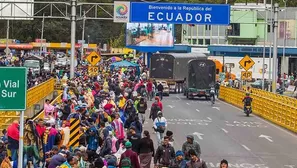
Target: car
258,84
166,89
62,62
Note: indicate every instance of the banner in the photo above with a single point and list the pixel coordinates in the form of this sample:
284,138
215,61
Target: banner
180,13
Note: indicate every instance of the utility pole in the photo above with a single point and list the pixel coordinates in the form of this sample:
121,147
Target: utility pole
285,41
275,40
41,40
73,24
264,48
83,34
271,40
7,37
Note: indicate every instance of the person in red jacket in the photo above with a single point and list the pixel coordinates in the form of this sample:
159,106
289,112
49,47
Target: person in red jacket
149,87
160,104
129,155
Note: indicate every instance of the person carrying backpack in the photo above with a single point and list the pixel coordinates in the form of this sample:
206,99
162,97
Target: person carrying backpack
129,159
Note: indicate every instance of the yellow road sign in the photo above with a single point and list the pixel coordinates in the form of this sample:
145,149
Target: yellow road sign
93,70
246,62
246,75
93,58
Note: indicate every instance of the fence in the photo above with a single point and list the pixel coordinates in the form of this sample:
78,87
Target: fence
278,109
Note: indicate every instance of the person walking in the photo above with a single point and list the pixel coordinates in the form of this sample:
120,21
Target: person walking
141,108
149,87
160,89
165,154
179,161
224,164
146,150
191,144
160,125
129,158
196,161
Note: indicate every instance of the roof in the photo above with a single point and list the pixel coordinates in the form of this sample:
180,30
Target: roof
185,55
251,50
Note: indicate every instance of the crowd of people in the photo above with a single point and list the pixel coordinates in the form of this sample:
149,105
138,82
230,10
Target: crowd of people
112,109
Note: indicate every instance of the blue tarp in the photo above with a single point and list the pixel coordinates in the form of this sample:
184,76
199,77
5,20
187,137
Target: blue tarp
124,63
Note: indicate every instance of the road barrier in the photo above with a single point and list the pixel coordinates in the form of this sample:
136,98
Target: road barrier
278,109
35,96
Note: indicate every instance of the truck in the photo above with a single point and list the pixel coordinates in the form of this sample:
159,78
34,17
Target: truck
172,68
201,76
36,63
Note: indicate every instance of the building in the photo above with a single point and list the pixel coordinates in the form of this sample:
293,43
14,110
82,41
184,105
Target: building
247,34
247,28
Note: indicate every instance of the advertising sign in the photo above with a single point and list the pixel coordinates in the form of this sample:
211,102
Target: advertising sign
287,28
121,12
179,13
149,35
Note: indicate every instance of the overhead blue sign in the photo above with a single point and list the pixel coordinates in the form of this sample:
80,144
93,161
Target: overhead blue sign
180,13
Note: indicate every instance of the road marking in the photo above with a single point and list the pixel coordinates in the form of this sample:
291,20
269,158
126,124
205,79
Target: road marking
188,103
178,97
225,130
289,166
209,118
216,108
170,106
197,110
199,135
245,147
266,137
267,122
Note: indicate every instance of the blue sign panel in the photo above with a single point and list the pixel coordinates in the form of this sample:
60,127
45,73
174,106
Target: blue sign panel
179,13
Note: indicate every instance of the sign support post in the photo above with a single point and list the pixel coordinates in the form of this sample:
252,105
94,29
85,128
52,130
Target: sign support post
21,140
13,96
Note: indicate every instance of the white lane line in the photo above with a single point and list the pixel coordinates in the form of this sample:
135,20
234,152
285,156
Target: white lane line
178,98
216,108
197,110
188,103
267,122
225,130
245,147
209,118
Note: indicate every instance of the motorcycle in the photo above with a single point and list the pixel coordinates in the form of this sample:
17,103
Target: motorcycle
212,97
248,110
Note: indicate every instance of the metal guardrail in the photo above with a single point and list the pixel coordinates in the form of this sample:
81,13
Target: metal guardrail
56,100
278,109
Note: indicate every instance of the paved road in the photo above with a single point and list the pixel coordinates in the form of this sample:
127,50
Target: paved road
224,132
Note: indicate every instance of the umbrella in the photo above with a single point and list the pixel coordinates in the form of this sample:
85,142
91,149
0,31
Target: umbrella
115,59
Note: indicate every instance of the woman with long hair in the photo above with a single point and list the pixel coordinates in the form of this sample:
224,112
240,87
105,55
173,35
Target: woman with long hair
146,150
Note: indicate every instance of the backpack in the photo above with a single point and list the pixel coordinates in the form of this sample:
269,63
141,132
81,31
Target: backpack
126,162
58,138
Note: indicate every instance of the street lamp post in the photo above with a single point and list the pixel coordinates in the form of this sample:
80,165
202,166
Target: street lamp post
264,48
88,40
41,40
83,34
